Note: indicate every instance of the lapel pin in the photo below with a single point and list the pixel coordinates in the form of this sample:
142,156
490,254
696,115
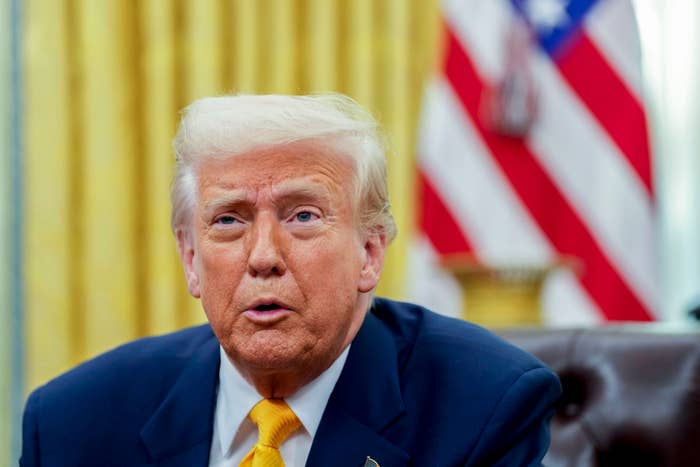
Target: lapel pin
369,462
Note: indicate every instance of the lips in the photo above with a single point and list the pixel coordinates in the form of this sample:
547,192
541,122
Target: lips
268,304
266,312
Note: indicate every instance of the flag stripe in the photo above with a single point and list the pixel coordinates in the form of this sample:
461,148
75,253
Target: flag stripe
483,27
437,221
610,100
612,27
574,150
473,188
501,230
566,303
555,216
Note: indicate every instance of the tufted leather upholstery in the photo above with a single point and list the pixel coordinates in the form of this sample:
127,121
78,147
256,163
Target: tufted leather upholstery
631,394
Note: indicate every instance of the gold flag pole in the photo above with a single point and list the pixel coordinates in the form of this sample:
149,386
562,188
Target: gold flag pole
508,295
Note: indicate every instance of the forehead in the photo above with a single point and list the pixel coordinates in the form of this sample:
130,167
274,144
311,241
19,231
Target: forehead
297,168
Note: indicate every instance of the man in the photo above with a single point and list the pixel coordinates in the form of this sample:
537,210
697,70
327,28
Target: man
281,215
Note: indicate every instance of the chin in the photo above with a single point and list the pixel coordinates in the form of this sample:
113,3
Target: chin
270,354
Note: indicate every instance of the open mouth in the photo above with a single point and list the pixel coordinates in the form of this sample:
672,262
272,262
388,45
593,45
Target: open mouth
268,307
267,313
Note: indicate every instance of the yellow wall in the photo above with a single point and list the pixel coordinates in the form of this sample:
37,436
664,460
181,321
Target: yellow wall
11,367
104,82
5,232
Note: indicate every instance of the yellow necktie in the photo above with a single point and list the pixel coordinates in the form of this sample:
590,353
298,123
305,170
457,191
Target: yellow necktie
276,421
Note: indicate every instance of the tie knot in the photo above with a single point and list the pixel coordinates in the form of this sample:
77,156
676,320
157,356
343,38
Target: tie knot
275,420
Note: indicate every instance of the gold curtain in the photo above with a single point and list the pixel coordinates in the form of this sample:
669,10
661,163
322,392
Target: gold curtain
6,236
104,81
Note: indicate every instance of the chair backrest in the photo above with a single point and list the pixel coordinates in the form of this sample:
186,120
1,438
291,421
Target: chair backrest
631,394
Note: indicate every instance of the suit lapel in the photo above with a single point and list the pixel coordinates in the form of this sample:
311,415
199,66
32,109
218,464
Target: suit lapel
179,432
365,401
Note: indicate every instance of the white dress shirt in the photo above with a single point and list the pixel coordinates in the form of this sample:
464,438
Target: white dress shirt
235,434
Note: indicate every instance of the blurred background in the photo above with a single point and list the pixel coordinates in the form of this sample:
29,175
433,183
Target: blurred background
543,165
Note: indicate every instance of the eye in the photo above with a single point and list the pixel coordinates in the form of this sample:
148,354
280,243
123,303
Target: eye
304,216
226,220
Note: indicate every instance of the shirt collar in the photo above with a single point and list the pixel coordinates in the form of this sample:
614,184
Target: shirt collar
237,396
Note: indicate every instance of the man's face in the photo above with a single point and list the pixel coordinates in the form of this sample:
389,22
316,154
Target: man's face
275,254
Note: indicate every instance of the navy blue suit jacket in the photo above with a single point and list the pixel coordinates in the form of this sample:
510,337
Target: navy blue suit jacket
417,389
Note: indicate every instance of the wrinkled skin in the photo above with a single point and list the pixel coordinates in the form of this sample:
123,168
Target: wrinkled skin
283,271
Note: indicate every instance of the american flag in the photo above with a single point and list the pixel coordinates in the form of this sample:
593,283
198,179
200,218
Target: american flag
533,146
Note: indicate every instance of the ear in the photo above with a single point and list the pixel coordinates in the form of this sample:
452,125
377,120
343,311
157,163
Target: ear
374,247
185,247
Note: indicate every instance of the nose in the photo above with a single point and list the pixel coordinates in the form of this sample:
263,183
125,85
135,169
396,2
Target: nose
265,258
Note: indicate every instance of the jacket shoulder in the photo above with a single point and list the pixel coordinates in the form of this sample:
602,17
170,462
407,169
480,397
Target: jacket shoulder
468,393
144,357
99,407
423,336
132,378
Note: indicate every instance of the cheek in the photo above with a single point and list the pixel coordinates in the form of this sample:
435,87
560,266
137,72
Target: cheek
221,255
329,271
332,258
221,268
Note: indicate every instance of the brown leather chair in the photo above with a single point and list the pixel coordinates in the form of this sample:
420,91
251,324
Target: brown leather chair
631,394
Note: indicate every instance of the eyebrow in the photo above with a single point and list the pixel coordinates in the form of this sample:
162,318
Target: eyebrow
230,198
300,190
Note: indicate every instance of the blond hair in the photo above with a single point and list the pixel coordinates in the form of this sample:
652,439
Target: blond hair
225,126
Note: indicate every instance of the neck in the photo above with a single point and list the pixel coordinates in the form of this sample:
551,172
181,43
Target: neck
278,386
